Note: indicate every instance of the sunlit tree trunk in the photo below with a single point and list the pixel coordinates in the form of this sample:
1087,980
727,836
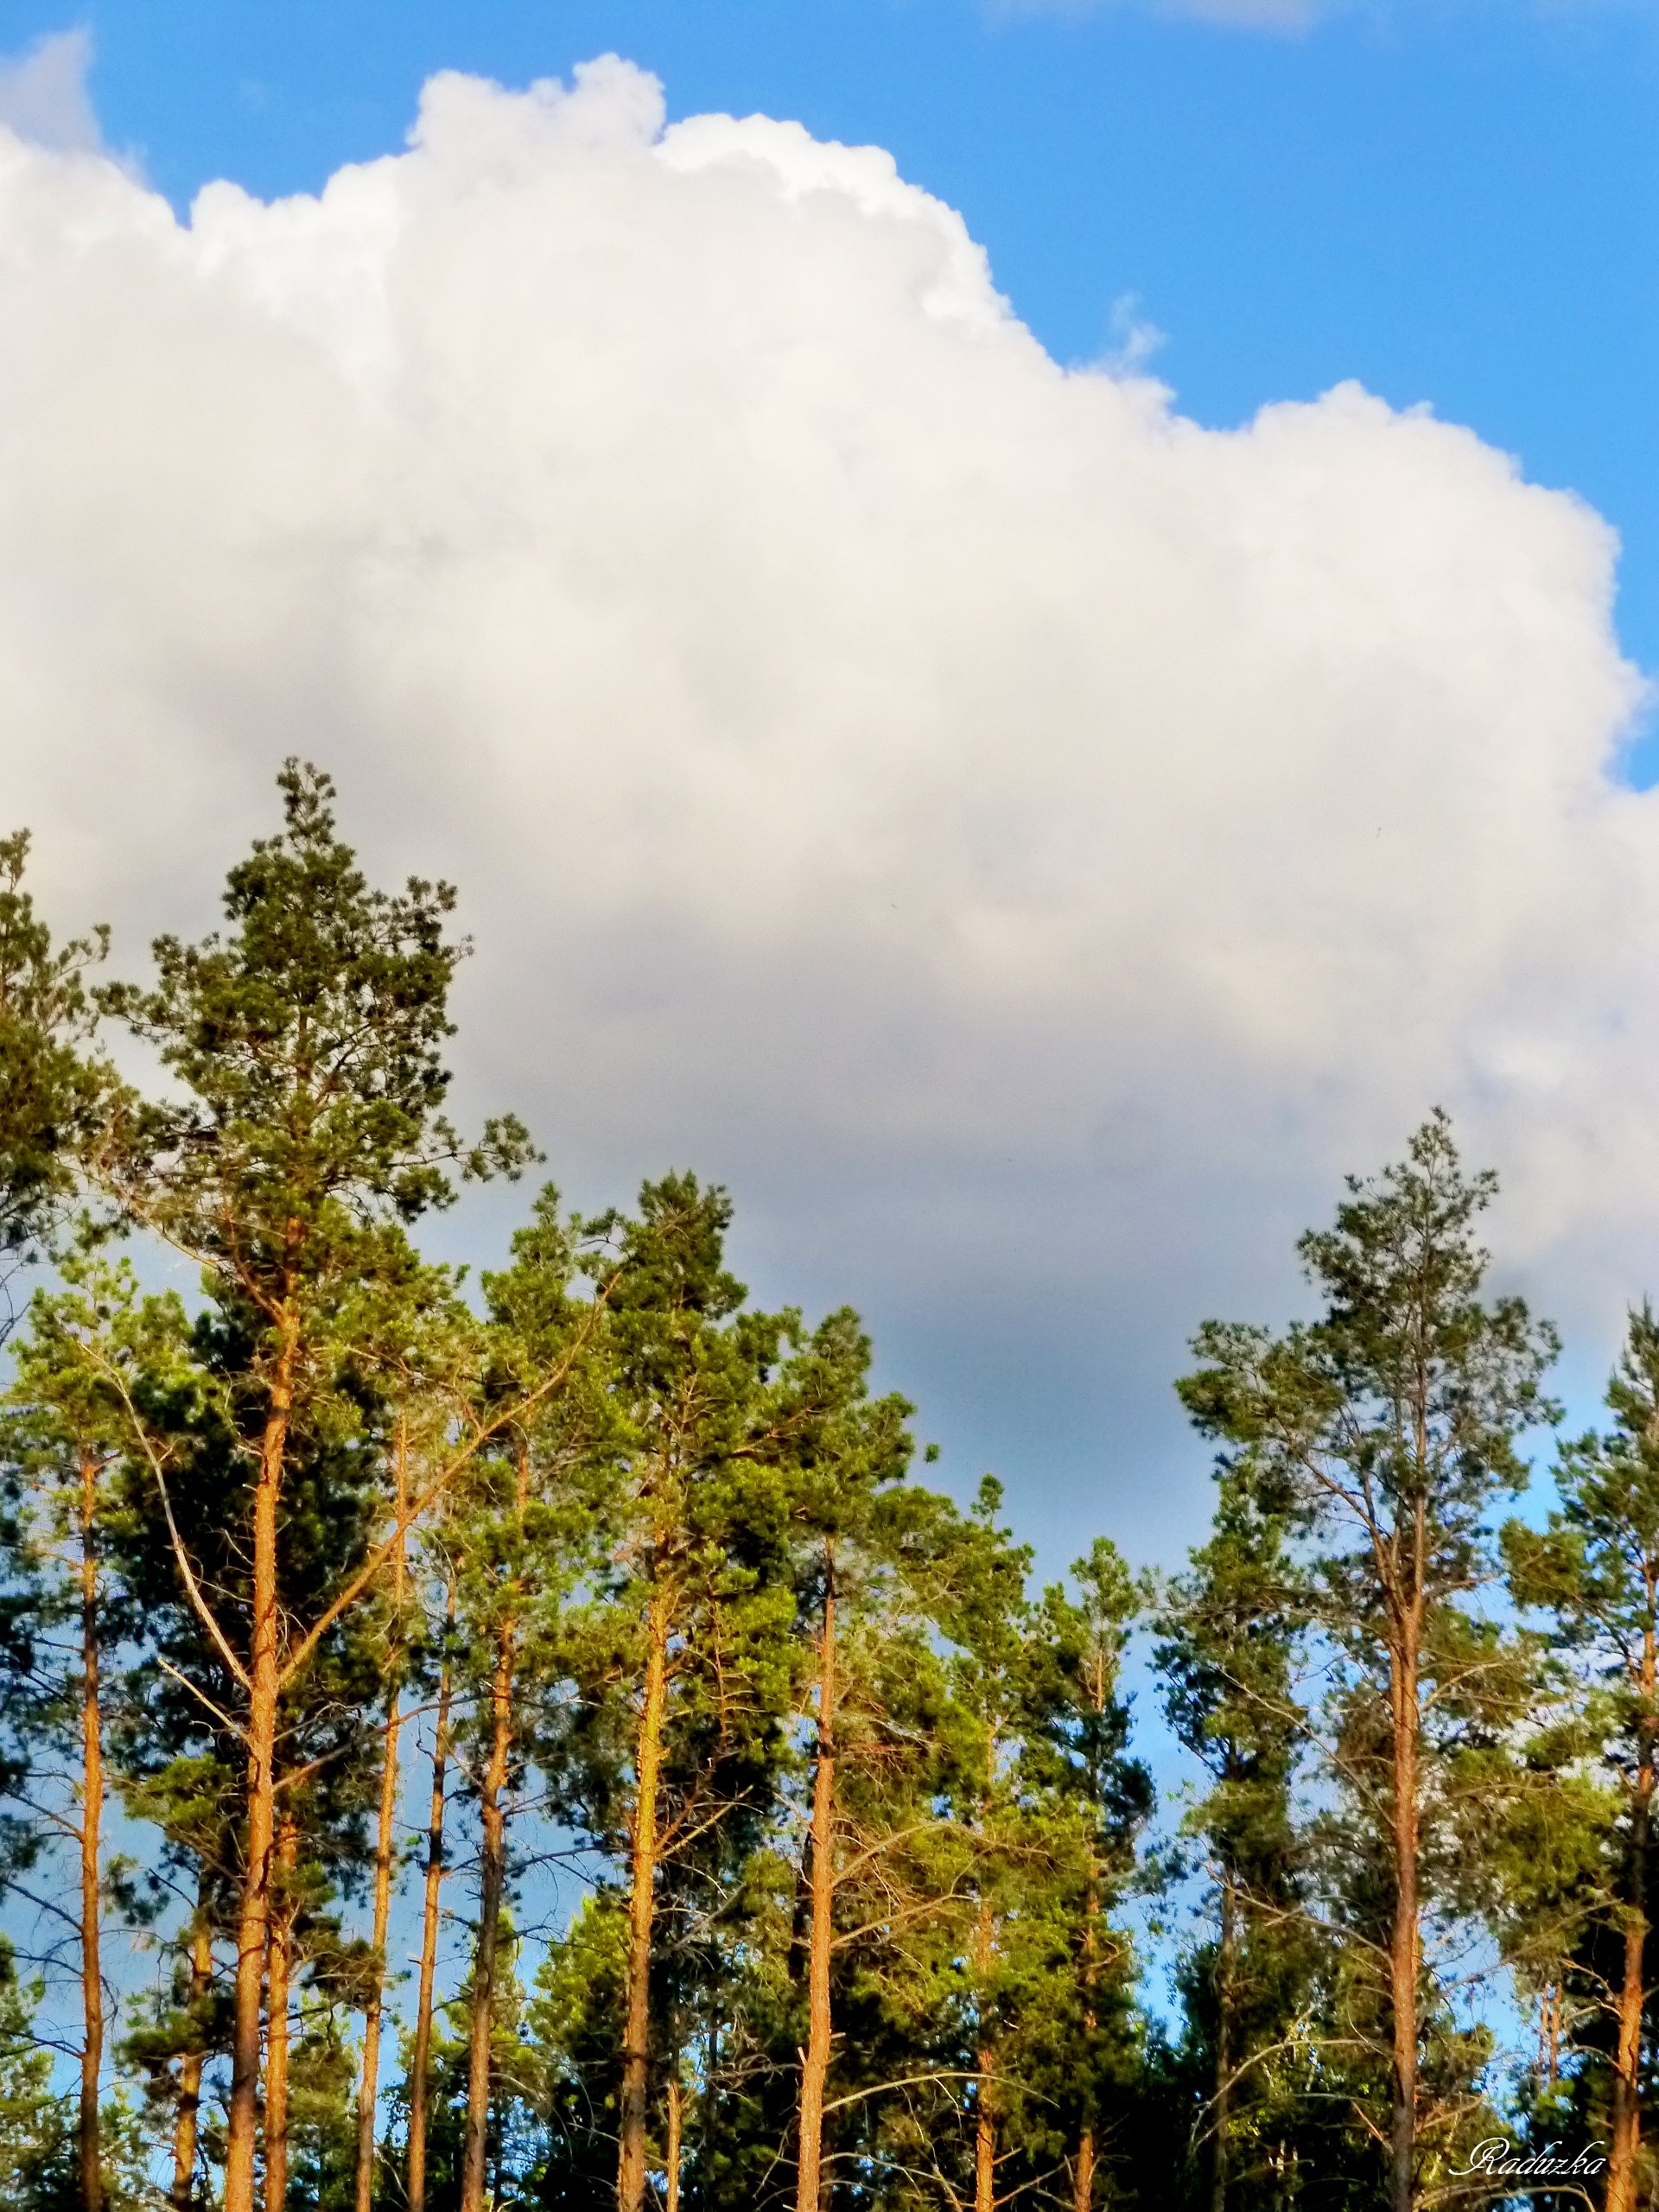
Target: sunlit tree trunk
820,2035
91,1822
420,2079
186,2122
282,1957
492,1879
368,2094
1626,2144
253,1923
642,1905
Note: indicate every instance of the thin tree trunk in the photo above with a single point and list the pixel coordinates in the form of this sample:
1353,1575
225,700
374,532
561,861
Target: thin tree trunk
675,2122
187,2120
1082,2177
253,1921
368,2092
1404,1959
1627,2077
282,1958
491,1884
91,1822
642,1906
1222,2114
820,2029
985,2058
492,1878
985,2116
420,2081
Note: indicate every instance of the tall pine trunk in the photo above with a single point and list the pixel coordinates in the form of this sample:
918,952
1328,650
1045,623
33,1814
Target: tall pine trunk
676,2133
420,2076
1632,1996
492,1876
985,2061
92,1821
368,2092
985,2056
642,1908
820,2029
1083,2176
1404,1939
253,1921
187,2124
281,1966
492,1882
1222,2116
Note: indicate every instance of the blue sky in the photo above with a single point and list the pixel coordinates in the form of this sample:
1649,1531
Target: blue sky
1455,203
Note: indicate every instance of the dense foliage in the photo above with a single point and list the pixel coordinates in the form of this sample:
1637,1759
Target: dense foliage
536,1742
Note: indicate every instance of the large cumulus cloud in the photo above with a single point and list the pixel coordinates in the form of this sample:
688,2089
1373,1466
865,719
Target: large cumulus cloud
1025,842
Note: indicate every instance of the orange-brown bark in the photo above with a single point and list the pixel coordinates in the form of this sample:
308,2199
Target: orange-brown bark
675,2129
253,1921
368,2092
1405,1938
1625,2149
820,2034
280,1966
186,2122
492,1878
92,1821
642,1905
420,2077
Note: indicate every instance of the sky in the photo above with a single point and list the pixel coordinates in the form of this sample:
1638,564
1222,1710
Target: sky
1025,628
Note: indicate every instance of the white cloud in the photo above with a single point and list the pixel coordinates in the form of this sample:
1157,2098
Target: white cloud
43,93
1028,844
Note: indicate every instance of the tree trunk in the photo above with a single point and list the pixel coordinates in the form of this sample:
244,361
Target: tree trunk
420,2080
985,2061
91,1822
1222,2118
491,1884
671,2195
985,2058
642,1906
1083,2181
282,1956
253,1922
820,2029
1083,2176
1632,1995
368,2092
187,2124
984,2132
1405,1939
492,1879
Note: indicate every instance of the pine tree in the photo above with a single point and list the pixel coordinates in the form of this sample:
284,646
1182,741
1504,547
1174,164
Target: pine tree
304,1130
1230,1659
65,1441
1393,1422
1596,1568
524,1525
681,1660
1098,1798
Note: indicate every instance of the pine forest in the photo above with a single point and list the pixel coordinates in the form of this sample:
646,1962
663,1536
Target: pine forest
537,1735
